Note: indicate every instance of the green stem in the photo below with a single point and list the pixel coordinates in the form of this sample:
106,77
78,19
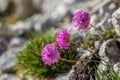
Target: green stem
98,62
94,27
100,32
82,45
73,61
92,52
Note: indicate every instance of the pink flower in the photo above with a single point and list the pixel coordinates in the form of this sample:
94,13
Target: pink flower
81,19
62,39
50,54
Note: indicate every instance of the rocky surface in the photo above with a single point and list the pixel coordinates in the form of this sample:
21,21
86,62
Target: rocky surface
3,5
40,15
9,77
116,67
109,52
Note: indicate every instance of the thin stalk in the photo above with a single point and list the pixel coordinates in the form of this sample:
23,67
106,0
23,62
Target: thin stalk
97,29
73,61
94,54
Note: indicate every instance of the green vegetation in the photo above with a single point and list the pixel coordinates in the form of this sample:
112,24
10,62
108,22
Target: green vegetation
30,60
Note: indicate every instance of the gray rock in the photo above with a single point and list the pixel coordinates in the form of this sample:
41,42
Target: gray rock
50,8
83,53
3,5
3,44
103,25
56,10
60,12
19,8
20,27
116,24
31,78
35,18
75,33
112,6
94,31
5,31
97,44
100,5
116,68
6,76
94,19
37,22
8,59
115,21
37,4
116,14
63,76
70,2
48,24
5,36
82,70
24,8
117,1
45,23
100,25
16,42
78,5
66,75
109,52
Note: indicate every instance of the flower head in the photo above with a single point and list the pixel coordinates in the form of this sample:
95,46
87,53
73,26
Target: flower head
62,39
81,19
50,54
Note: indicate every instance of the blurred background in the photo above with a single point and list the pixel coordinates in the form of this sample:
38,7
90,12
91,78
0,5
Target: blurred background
21,17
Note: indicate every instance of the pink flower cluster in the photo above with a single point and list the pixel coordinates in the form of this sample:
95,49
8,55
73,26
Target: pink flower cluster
62,39
50,54
81,19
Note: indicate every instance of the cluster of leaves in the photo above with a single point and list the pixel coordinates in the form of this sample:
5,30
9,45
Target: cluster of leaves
110,75
30,58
